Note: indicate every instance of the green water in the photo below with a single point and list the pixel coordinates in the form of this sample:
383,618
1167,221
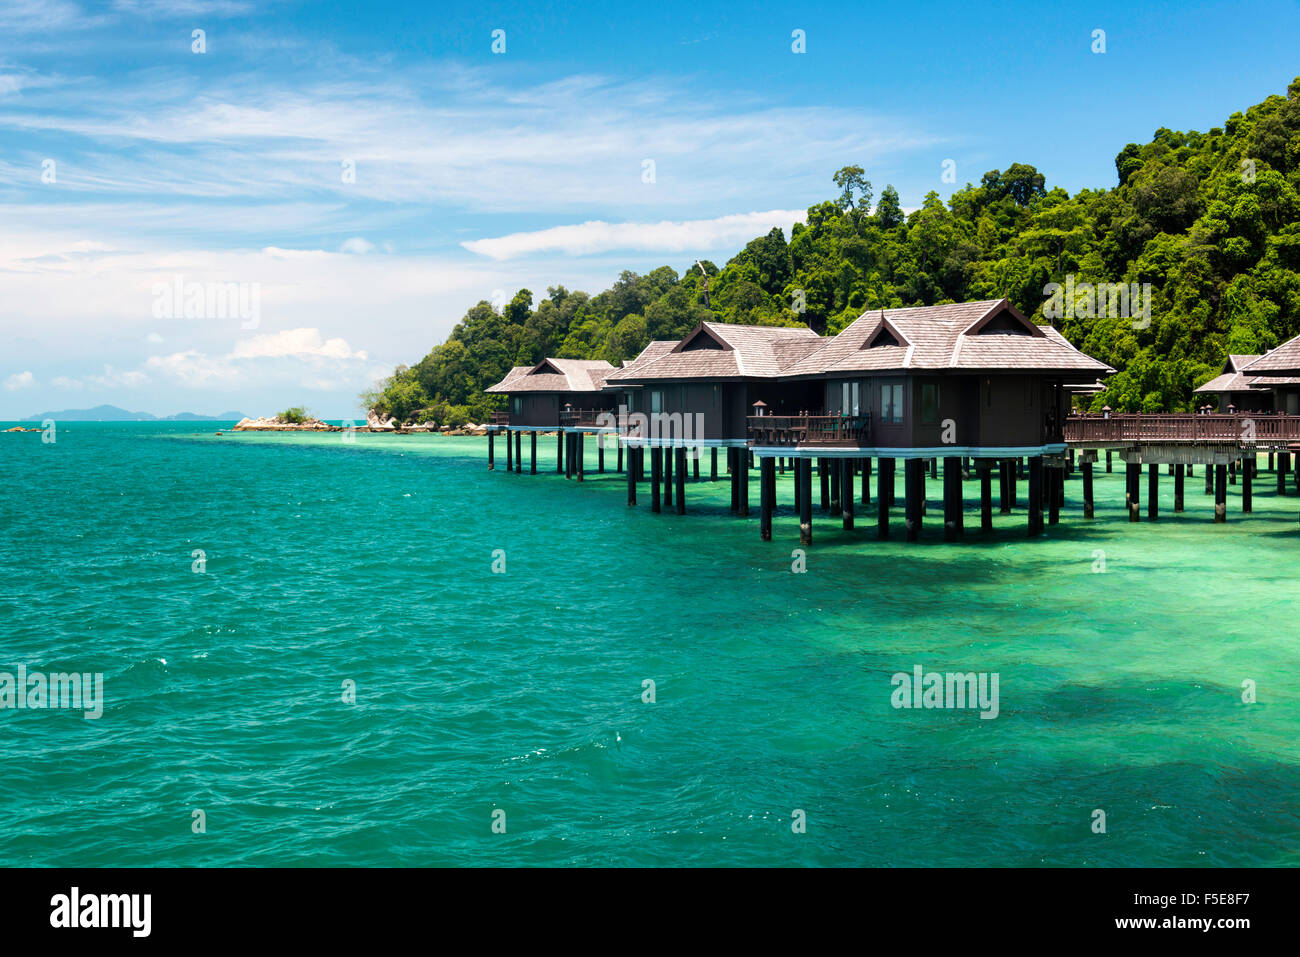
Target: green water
371,562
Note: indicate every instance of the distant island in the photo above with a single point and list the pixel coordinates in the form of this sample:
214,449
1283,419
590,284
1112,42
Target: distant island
111,413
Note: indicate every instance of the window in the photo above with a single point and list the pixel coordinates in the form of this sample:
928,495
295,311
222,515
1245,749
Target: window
656,400
519,405
855,400
929,403
891,403
844,399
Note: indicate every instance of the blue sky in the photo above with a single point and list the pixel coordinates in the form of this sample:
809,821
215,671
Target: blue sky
128,160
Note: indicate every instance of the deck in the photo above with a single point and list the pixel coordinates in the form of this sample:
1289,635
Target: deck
1242,429
809,431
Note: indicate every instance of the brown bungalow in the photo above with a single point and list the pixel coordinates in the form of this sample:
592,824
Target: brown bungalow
556,395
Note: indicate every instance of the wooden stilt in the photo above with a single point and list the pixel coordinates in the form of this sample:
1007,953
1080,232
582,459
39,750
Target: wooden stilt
1108,451
1246,486
1153,492
1086,468
985,469
1035,496
695,464
713,464
492,450
532,453
805,503
734,469
670,456
619,467
1055,493
951,497
1283,466
1132,472
1209,479
798,487
743,479
766,496
837,474
825,482
656,475
1232,472
510,452
1220,493
934,468
631,478
1011,482
1004,487
600,452
519,453
1178,487
559,452
911,513
885,481
680,452
846,485
1270,461
866,481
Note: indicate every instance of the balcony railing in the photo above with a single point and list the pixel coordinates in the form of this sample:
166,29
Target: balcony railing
795,430
584,418
499,418
1243,428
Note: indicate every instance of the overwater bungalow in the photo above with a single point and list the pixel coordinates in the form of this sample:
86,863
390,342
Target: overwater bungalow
1235,391
565,396
974,380
1279,372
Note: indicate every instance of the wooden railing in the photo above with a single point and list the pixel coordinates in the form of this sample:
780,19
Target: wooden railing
796,430
499,418
584,418
1242,428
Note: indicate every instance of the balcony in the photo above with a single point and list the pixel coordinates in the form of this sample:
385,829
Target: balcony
584,418
809,430
499,418
1248,429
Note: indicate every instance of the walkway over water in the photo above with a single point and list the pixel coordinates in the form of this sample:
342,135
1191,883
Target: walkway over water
1242,429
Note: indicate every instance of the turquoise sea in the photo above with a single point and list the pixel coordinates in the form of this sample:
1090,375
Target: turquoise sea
371,562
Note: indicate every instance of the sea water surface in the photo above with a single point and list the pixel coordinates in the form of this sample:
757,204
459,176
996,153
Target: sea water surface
517,698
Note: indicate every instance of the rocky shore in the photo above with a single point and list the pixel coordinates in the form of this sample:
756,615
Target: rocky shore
374,423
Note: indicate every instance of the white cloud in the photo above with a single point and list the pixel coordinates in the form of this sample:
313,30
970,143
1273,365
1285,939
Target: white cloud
63,382
298,343
597,236
356,245
19,380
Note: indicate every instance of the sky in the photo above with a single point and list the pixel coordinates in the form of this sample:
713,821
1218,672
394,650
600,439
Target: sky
280,209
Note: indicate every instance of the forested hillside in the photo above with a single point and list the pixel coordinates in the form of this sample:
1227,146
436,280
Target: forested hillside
1211,220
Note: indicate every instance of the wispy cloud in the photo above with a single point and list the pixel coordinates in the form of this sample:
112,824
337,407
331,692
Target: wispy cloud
666,236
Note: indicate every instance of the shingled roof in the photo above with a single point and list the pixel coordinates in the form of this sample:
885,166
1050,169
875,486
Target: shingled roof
651,352
720,350
1284,360
987,336
556,375
1233,379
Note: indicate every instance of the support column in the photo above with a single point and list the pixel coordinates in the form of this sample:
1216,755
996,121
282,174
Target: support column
1209,479
695,464
1011,481
833,466
680,452
846,485
951,498
798,486
1220,493
600,452
1178,487
1108,451
985,469
1232,472
1088,509
743,478
631,478
619,442
1035,496
866,481
1132,471
934,468
656,475
670,453
1004,487
1283,466
1153,492
913,470
805,502
713,464
766,496
559,453
579,460
1246,489
733,467
519,453
510,453
492,450
532,453
1055,493
885,481
825,481
1270,461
